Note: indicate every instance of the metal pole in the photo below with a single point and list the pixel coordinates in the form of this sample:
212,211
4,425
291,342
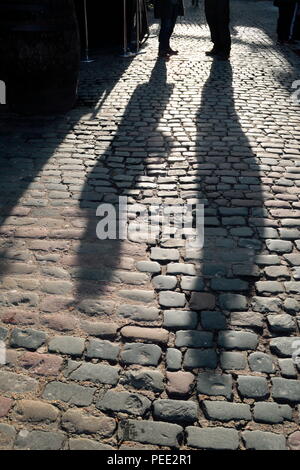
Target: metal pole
87,60
125,38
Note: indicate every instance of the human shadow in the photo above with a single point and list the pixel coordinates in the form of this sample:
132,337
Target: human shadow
230,187
137,144
27,145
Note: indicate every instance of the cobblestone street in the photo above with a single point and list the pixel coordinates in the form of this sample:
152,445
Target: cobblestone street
151,343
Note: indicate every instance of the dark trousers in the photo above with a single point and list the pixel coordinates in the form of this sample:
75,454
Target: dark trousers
285,19
218,18
166,30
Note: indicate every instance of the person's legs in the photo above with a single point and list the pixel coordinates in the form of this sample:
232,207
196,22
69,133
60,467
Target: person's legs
172,25
210,7
223,40
166,30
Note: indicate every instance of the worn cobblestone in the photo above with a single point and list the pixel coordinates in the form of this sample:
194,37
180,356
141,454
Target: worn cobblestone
155,328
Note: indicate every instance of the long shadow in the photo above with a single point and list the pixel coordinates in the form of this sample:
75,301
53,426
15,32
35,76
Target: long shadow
27,144
117,173
230,185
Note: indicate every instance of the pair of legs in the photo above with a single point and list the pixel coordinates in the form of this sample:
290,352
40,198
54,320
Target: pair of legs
166,30
286,18
217,14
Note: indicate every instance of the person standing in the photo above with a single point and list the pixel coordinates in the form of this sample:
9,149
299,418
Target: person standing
286,19
168,12
217,14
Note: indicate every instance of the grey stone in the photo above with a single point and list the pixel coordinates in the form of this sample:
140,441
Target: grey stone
233,360
191,283
124,402
172,299
194,339
252,387
213,320
138,312
293,287
164,254
97,373
7,436
259,440
152,432
17,383
287,368
143,354
102,349
195,358
181,268
272,287
175,411
97,307
266,304
224,411
246,319
101,329
286,390
266,412
27,338
148,267
3,333
242,340
279,246
291,306
40,440
214,384
137,295
261,362
144,379
164,282
283,346
88,444
180,319
212,438
229,285
67,345
281,323
70,393
233,302
173,359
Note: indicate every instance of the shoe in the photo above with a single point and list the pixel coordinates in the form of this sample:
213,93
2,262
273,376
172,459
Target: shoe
172,52
211,53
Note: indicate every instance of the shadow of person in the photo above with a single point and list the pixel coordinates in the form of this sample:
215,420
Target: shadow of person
229,185
32,164
125,169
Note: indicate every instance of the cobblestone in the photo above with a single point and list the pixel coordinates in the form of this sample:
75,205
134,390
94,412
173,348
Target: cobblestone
124,402
213,438
223,411
259,440
150,432
156,328
175,411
